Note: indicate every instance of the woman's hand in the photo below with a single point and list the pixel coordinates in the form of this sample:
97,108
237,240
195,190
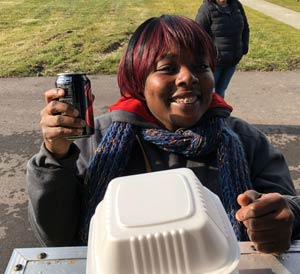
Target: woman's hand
58,121
268,220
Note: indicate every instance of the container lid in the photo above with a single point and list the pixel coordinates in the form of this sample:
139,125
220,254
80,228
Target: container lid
161,222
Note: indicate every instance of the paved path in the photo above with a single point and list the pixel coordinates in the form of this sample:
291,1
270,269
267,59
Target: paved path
284,15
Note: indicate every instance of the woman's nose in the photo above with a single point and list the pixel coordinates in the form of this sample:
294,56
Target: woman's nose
186,76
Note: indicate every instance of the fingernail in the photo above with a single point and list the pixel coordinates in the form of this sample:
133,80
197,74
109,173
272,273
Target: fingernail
76,112
59,91
238,217
82,123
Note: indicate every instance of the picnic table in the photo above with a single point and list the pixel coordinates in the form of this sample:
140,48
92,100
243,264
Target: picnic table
73,260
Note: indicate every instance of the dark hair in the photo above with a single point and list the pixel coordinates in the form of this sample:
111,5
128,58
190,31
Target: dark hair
151,40
214,1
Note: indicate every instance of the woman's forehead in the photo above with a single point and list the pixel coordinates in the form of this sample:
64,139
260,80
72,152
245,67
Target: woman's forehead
177,52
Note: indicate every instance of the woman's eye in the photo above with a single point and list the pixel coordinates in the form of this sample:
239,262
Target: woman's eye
167,68
201,67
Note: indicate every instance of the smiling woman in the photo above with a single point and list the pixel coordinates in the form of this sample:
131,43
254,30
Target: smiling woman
167,117
162,68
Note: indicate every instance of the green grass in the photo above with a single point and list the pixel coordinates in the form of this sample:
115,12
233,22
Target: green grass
273,46
289,4
46,37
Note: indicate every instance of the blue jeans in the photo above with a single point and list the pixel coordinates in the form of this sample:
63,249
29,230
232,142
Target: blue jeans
222,78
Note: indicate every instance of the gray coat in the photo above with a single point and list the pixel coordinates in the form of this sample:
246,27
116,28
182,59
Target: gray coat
54,186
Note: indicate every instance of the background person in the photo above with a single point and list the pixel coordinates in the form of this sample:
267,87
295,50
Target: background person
167,117
226,23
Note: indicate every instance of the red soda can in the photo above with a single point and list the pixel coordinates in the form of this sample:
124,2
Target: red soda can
77,87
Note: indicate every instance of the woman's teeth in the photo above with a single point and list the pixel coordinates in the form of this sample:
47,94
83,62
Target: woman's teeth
186,100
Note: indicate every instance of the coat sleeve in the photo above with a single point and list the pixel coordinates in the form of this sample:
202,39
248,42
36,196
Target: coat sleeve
203,18
269,171
246,30
54,190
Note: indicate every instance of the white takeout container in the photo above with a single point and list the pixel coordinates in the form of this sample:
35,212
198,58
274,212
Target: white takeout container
161,223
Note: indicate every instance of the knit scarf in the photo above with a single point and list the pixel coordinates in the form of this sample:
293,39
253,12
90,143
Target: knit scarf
211,134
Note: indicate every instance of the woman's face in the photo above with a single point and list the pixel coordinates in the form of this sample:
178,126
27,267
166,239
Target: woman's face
222,3
179,90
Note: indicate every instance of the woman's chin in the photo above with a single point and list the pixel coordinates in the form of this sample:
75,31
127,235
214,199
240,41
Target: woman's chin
183,121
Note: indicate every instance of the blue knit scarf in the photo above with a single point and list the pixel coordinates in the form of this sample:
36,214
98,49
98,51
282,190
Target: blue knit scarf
212,134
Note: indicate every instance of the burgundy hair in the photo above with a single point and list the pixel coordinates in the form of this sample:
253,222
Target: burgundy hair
151,40
214,1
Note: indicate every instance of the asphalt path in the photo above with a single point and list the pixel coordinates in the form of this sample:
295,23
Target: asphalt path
284,15
269,100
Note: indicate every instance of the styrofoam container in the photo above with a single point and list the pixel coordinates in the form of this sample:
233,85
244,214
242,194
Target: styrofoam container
161,223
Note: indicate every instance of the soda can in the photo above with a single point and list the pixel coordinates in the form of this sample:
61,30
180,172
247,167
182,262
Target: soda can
78,93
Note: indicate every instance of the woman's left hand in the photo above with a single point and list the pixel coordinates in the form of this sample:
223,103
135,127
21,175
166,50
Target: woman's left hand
268,219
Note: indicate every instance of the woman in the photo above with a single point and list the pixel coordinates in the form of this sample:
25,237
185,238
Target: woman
167,117
226,23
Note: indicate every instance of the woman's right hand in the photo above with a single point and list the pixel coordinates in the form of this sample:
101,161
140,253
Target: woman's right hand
58,121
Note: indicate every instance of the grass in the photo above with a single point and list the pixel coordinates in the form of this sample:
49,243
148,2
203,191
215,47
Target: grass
273,46
289,4
42,38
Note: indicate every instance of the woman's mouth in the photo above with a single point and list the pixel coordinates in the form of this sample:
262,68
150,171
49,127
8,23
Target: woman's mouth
185,100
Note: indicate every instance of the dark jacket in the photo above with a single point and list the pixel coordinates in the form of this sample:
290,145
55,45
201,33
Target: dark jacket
228,28
54,186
